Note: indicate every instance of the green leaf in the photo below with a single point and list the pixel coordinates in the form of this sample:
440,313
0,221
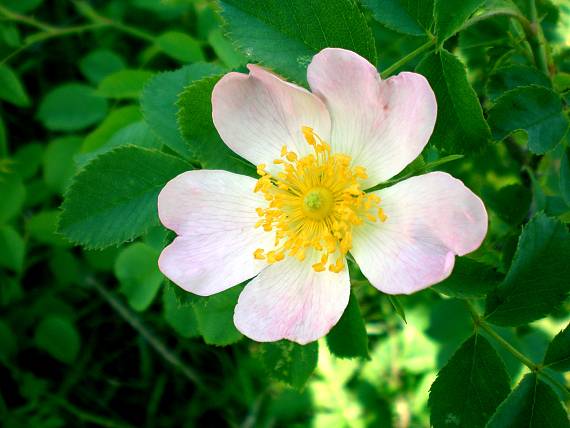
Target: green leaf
469,387
28,159
71,107
564,182
113,199
537,281
12,249
158,102
3,139
289,362
534,109
11,88
460,126
225,50
22,6
136,268
558,353
510,77
215,316
197,127
348,338
59,337
469,279
13,195
116,120
450,15
398,307
414,17
511,203
58,165
180,46
100,63
124,84
181,318
8,342
42,228
300,30
532,404
136,134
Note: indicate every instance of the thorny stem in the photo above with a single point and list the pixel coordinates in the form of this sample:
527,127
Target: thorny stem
135,322
537,368
535,38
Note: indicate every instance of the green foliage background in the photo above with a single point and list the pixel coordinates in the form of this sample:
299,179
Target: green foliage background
102,102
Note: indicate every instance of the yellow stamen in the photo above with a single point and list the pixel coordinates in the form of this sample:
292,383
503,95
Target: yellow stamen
313,204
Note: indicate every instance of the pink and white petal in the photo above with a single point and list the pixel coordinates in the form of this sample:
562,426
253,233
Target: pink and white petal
382,124
214,212
211,263
207,201
431,219
257,114
289,300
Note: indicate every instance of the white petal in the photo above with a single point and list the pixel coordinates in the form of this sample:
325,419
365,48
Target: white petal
289,300
214,212
382,125
431,218
257,114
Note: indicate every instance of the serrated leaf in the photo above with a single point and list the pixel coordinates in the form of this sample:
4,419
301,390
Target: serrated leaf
289,362
537,281
413,17
158,102
197,127
558,353
533,109
113,199
98,64
136,268
469,387
450,15
215,316
469,279
397,305
124,84
59,337
180,46
11,88
348,338
510,77
300,30
225,50
71,107
460,126
532,404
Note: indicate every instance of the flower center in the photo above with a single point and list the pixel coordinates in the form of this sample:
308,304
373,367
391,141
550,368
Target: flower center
317,203
313,204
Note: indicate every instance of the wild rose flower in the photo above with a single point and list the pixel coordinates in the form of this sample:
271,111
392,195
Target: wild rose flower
292,229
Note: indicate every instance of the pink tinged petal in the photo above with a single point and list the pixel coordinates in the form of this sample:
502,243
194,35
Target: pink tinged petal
214,212
431,218
257,114
383,124
289,300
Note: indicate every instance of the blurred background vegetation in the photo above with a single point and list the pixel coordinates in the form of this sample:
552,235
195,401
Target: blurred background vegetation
97,338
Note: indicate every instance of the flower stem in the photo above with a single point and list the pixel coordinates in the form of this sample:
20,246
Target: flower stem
537,368
535,38
135,322
400,63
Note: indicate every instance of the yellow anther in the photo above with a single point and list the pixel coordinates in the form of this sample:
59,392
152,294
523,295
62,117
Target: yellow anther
313,204
383,217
